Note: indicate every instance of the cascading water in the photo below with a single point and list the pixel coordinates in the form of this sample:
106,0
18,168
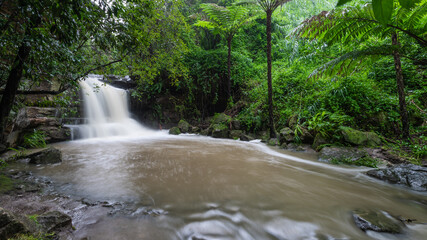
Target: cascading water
106,110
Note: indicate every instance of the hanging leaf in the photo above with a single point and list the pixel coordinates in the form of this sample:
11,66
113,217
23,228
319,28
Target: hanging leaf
342,2
383,10
408,4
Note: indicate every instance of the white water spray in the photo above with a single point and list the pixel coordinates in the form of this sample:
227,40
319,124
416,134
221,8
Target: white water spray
106,110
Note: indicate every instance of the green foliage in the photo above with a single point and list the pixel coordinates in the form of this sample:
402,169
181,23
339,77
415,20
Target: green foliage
327,124
383,9
33,218
364,161
36,139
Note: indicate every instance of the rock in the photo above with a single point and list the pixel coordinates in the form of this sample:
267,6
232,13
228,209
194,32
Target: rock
118,82
56,134
357,137
31,117
219,131
305,136
318,141
46,156
411,175
377,221
273,142
236,125
53,221
183,126
286,135
246,138
10,225
339,153
235,134
174,131
195,130
204,132
293,121
221,118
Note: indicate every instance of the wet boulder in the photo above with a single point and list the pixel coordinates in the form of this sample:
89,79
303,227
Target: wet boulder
10,225
359,138
221,118
219,130
235,134
378,221
245,137
318,141
286,135
236,125
410,175
184,126
174,131
327,154
53,221
46,156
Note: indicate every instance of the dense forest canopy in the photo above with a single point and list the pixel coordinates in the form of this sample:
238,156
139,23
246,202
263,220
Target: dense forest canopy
360,63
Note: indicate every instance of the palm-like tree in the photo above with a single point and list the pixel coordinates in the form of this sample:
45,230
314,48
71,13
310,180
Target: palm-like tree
268,6
358,24
226,21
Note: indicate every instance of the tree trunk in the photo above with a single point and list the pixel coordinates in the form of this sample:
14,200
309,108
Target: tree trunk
400,88
229,38
269,81
12,85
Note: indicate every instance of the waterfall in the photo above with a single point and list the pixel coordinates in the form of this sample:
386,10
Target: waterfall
107,113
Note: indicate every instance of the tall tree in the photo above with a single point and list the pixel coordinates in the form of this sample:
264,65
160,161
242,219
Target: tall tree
358,23
269,6
226,21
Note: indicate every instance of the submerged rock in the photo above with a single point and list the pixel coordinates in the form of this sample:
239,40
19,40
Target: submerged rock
357,137
411,175
46,156
174,131
10,225
377,221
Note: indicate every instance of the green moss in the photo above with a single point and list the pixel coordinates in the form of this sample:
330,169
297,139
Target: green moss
364,161
221,118
174,131
6,184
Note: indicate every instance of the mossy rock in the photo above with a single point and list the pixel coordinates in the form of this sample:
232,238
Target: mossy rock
286,135
235,134
6,184
174,131
221,118
358,138
293,121
219,131
183,126
273,142
319,140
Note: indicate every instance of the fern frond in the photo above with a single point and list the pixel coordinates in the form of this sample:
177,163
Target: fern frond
347,63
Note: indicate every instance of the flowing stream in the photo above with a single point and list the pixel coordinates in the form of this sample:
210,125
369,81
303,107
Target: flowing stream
193,187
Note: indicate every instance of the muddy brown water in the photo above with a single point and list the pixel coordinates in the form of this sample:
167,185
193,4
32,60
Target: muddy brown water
204,188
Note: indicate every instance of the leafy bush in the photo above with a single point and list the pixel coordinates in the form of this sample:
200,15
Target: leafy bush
36,139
